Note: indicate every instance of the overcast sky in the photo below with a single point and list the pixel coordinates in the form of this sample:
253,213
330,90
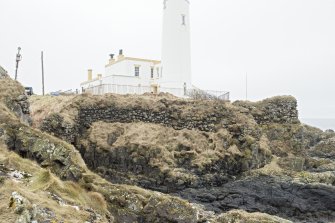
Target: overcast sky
287,47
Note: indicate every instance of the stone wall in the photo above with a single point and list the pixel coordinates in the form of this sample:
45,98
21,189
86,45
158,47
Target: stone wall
281,110
57,126
165,117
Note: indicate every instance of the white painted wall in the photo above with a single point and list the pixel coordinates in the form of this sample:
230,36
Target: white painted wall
127,68
173,75
176,48
122,73
119,68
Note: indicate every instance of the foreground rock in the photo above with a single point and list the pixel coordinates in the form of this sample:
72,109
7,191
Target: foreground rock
211,157
273,195
207,152
56,161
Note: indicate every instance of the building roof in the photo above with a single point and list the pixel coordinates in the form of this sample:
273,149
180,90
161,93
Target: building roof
133,59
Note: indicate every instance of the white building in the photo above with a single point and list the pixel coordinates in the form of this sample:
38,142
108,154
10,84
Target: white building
176,46
127,75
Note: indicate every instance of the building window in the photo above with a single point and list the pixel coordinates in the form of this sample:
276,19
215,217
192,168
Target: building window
152,73
183,20
137,71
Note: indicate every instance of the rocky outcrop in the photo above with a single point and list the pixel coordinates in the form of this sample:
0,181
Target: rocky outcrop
169,160
280,110
205,152
3,73
60,161
324,149
48,152
20,107
56,125
272,195
245,217
27,212
207,116
13,96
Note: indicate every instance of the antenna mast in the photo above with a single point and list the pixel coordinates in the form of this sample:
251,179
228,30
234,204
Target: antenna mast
18,59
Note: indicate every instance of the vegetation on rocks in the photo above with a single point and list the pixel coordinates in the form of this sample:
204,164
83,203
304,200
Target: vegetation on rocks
221,155
47,197
108,158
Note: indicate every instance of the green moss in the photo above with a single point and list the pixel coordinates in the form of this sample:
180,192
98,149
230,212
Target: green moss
247,154
2,179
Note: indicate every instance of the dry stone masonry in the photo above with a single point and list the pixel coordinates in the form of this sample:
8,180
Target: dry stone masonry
165,117
280,110
274,110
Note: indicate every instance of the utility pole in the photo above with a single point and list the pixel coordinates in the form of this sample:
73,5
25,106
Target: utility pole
246,86
18,59
42,61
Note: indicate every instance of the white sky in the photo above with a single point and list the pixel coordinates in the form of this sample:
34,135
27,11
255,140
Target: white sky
287,47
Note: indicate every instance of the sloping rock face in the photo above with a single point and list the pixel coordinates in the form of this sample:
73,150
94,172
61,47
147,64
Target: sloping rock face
207,152
13,96
272,195
48,152
180,144
282,110
53,161
3,73
166,160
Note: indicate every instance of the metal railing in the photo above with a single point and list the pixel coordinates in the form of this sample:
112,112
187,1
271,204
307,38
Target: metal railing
195,93
208,94
117,89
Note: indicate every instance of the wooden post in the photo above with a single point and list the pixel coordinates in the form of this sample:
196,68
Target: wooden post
246,86
42,60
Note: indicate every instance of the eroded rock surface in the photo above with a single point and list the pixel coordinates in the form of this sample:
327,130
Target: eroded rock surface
207,152
211,157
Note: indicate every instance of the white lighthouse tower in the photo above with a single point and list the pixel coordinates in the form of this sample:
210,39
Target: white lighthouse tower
176,47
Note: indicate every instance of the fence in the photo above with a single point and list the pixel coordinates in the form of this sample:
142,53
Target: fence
117,89
179,92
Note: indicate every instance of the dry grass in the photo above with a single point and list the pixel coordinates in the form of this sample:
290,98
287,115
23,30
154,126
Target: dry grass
71,192
6,115
165,148
10,89
43,106
167,141
271,169
68,106
42,182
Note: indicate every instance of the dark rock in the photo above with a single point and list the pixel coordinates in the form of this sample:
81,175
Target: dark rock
281,197
48,153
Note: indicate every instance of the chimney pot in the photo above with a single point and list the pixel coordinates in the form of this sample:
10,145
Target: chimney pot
111,56
121,52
